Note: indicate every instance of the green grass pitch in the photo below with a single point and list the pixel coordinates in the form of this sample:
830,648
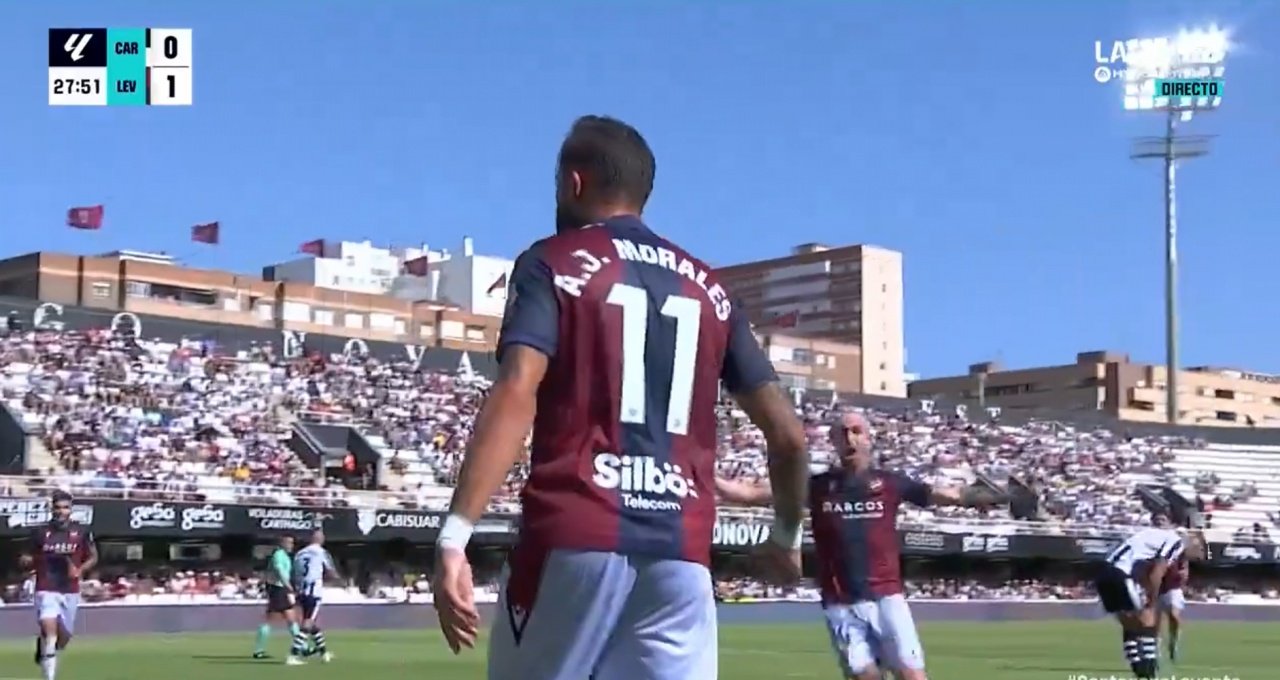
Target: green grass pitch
955,651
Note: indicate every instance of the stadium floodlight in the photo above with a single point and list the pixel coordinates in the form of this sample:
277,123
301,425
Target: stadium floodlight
1178,76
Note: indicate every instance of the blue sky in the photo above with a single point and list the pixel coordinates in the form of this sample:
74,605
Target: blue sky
971,136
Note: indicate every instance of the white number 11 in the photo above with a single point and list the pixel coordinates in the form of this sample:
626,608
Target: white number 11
687,313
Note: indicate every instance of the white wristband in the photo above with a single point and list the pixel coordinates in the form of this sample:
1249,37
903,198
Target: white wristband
790,538
456,533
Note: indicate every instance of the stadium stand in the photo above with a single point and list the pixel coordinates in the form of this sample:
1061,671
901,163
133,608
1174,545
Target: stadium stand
174,420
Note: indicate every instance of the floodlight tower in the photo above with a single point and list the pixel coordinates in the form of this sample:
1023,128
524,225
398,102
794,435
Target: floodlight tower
1198,54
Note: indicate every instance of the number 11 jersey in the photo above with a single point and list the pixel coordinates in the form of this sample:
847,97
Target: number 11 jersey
639,335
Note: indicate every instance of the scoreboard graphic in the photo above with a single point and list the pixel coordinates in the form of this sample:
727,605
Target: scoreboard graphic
120,67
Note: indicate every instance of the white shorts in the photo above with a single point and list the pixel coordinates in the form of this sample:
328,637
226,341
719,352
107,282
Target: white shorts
570,614
874,630
60,606
1173,601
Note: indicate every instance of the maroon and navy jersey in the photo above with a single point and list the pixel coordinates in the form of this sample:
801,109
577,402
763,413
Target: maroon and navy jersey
55,548
639,335
1175,576
855,533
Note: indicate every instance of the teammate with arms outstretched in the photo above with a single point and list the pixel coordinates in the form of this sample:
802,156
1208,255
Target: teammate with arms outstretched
1173,601
281,597
62,552
1128,585
853,510
310,566
613,347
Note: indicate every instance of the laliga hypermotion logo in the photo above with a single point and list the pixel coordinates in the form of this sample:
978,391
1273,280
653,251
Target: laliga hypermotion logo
1161,57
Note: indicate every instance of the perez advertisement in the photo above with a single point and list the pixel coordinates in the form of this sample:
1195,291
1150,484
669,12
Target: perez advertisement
20,514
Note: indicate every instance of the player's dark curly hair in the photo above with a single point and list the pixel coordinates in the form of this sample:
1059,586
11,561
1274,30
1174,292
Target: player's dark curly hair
60,496
613,157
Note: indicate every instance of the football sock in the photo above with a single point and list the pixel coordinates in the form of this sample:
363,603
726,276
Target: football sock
317,641
1131,653
299,647
264,632
49,658
1148,653
1173,643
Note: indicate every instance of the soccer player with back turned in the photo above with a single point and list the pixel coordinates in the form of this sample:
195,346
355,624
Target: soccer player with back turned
281,598
613,347
62,551
310,566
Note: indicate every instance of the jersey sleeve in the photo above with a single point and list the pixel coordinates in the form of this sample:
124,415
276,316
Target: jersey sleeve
912,491
746,367
532,317
89,545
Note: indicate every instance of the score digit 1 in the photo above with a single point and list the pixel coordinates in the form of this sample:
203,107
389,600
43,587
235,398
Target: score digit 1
169,67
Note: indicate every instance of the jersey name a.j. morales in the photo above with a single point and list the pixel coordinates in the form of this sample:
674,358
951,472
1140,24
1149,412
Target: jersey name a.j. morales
628,251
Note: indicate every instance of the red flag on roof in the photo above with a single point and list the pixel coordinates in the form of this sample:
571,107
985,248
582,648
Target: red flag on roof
498,285
315,247
788,320
417,266
205,233
88,217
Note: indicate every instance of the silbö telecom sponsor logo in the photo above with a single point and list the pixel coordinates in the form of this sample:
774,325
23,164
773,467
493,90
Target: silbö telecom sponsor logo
643,483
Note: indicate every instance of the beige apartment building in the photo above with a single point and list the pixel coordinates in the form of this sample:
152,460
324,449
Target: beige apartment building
1110,382
851,295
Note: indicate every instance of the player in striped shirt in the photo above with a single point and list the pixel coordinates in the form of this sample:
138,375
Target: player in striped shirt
310,566
1129,587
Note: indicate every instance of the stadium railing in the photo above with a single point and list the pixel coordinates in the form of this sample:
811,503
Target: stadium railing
34,486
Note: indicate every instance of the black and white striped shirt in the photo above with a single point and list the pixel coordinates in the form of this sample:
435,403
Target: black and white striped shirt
1149,544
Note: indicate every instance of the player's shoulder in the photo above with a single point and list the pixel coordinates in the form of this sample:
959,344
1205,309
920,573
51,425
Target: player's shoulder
825,478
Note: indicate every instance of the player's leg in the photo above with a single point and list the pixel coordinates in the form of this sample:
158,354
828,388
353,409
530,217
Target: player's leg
48,612
853,640
298,646
1172,604
311,624
556,612
668,629
1117,600
67,619
1141,644
277,605
896,630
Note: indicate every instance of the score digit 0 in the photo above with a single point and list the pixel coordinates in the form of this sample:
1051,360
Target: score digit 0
169,67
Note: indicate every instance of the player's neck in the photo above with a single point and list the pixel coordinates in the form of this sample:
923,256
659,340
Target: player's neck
605,213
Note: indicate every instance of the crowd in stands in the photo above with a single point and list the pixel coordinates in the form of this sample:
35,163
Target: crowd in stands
184,421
